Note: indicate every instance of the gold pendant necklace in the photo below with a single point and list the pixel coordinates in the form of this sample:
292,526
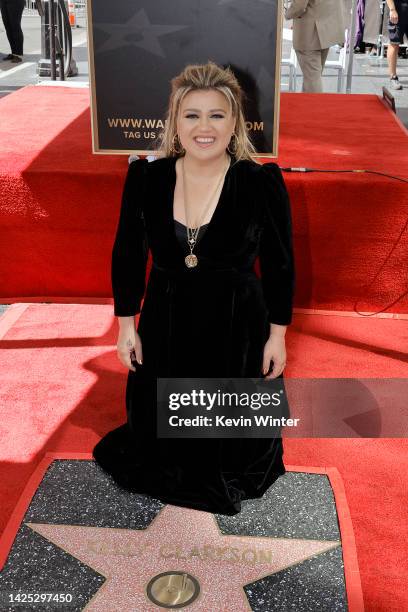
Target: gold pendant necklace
192,235
191,260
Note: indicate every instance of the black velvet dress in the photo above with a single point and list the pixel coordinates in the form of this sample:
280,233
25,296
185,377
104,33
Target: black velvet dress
206,322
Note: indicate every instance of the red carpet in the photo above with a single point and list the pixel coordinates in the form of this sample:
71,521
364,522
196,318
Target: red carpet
63,388
59,202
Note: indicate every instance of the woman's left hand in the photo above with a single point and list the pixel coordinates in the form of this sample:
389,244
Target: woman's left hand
274,350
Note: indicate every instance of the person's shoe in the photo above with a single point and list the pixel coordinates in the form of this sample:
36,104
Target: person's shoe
8,57
394,83
16,59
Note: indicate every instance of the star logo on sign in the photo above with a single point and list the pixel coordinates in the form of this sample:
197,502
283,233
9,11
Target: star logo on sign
138,31
178,539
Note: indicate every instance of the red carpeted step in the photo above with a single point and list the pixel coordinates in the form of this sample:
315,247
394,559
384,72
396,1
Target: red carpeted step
60,202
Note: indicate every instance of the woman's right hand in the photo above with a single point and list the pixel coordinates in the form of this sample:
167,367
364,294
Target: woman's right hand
129,342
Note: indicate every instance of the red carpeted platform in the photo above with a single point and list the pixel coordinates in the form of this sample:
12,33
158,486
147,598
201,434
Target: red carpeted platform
63,388
60,202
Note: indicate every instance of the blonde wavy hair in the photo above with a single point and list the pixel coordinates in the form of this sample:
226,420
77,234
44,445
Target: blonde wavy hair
201,77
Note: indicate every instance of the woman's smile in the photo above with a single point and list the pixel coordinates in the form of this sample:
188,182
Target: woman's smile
204,142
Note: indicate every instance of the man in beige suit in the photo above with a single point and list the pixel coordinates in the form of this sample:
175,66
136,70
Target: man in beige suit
317,25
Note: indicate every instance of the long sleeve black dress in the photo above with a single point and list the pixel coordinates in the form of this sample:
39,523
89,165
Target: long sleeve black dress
204,322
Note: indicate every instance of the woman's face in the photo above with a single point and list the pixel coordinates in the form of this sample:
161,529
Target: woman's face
205,124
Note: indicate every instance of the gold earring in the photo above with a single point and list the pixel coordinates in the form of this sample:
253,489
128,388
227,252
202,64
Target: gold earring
235,144
177,147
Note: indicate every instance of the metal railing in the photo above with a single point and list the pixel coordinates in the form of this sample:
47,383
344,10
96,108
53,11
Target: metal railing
80,8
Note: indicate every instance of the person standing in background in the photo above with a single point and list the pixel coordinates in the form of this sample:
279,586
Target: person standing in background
358,40
11,13
317,25
397,27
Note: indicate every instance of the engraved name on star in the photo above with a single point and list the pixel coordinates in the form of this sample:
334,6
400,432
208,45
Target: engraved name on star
138,31
178,539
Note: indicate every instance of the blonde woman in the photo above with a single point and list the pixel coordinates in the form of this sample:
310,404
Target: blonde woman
205,210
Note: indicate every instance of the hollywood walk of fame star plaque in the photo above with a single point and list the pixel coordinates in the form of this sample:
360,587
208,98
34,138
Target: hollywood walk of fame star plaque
137,46
114,550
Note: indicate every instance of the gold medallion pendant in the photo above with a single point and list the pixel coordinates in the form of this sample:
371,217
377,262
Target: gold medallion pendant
191,260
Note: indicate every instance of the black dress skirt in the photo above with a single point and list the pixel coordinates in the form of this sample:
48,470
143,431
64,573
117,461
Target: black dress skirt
206,322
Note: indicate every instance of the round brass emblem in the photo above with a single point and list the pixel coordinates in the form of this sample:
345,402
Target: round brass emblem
173,589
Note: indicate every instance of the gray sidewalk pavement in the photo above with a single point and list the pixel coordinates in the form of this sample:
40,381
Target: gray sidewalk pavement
15,76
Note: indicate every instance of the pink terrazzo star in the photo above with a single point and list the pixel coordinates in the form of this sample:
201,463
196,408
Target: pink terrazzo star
178,539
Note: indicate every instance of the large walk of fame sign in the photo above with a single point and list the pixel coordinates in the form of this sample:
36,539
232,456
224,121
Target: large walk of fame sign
137,46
